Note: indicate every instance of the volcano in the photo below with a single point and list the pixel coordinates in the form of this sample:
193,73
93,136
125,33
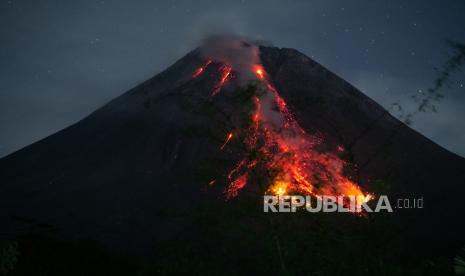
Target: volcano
223,127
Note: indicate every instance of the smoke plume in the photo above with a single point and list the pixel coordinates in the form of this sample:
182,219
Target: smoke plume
235,51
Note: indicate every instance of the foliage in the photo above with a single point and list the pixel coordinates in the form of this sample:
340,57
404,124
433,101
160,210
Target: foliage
459,263
238,238
427,102
8,256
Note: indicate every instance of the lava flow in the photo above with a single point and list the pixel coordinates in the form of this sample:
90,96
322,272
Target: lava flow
225,74
230,135
284,151
201,69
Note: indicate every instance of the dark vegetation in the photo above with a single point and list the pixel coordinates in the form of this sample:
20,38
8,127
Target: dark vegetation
231,238
428,101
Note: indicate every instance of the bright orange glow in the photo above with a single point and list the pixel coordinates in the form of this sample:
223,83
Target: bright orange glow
201,69
230,135
236,186
225,74
279,188
279,147
259,71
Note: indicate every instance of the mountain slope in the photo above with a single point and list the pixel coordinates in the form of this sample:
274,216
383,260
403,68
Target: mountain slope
129,174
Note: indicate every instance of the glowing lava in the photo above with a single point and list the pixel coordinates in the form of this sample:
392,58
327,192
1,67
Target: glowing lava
230,135
279,188
279,147
225,71
283,153
211,182
259,71
225,74
201,69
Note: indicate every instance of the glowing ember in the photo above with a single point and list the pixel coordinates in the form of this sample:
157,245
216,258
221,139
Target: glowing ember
201,69
287,153
279,188
225,74
259,71
236,186
230,135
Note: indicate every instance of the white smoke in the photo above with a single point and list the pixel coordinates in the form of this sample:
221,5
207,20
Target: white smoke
269,112
234,50
243,55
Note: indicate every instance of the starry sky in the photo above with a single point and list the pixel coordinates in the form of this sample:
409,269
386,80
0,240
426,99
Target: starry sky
61,60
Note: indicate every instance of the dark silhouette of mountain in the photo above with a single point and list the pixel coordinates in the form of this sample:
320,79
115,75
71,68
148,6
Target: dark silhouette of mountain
134,172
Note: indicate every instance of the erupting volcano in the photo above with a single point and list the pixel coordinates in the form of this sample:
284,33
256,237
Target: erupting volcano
231,120
286,153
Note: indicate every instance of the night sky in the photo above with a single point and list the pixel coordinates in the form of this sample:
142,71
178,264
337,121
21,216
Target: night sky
61,60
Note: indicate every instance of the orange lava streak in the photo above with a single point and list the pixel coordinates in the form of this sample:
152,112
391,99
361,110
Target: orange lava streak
201,69
230,135
237,168
225,74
